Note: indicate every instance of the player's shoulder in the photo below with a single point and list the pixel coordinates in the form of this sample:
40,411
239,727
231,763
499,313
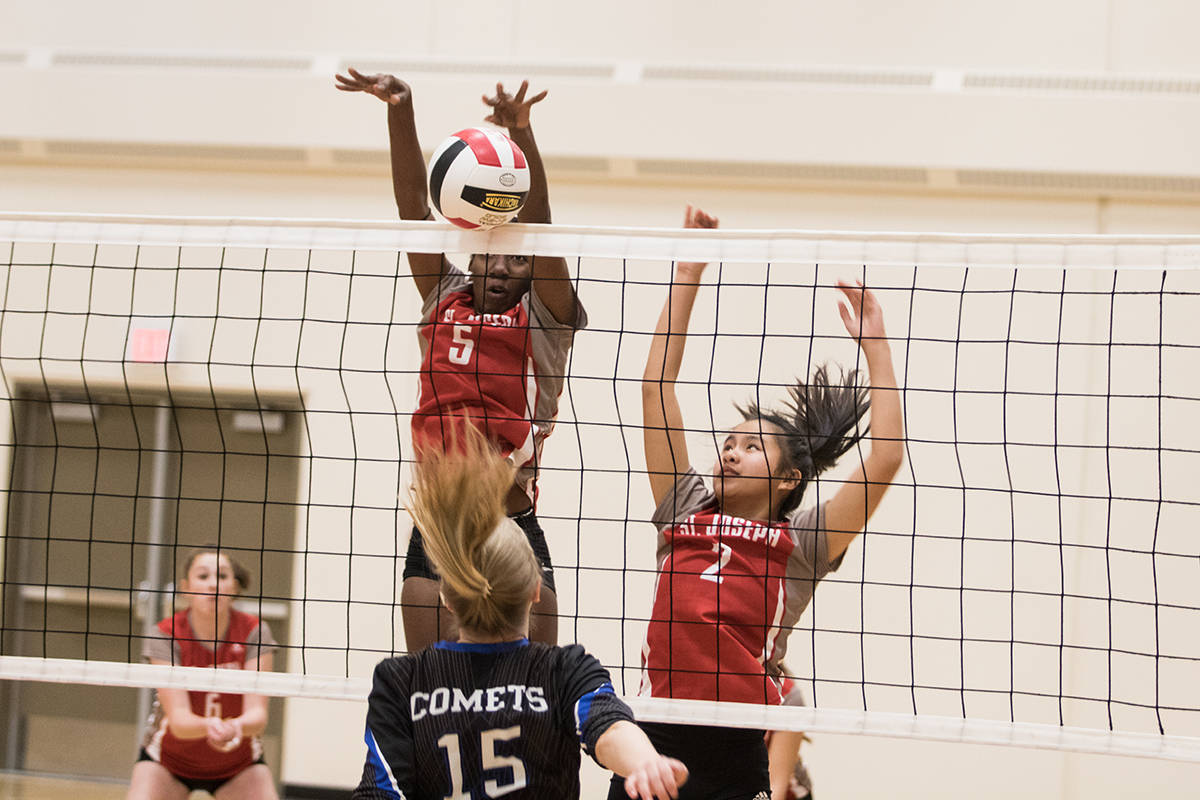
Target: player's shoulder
396,669
574,657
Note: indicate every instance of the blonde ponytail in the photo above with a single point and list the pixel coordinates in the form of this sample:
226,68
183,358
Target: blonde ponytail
487,568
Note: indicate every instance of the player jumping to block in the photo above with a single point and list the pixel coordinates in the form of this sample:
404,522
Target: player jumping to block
738,563
494,344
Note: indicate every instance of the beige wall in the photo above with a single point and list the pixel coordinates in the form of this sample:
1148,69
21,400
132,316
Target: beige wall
619,119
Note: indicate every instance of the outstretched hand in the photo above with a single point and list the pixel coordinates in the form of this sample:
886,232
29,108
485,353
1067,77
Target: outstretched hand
690,271
698,218
657,779
863,316
387,88
511,111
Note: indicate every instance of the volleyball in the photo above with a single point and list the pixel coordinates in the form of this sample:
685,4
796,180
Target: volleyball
478,179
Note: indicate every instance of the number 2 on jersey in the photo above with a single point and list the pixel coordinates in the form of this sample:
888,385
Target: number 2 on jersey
462,345
491,760
713,571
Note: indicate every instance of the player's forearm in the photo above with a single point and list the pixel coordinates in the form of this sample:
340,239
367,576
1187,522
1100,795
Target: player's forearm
253,719
887,416
624,747
537,202
408,166
183,724
670,335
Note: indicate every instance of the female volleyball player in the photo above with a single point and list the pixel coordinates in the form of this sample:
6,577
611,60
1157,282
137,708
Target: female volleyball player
738,562
207,740
494,343
492,713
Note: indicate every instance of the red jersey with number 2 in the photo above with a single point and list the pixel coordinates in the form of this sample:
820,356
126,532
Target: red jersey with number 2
729,591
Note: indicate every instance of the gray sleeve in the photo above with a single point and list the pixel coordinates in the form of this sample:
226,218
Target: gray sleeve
812,543
687,496
454,280
545,319
260,642
795,697
159,646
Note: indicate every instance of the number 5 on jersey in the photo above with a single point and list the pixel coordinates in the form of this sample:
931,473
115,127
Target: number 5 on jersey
461,345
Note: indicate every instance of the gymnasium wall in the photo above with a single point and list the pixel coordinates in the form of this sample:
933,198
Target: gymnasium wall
1035,117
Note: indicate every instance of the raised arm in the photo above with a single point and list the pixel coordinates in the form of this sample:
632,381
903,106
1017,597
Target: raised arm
854,503
662,420
551,279
408,165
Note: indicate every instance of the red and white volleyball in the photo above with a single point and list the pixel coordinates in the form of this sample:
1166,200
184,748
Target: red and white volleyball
478,179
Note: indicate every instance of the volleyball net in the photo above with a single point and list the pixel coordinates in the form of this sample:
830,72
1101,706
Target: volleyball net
1032,577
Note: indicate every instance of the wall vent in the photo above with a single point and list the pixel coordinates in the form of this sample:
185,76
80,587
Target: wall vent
175,151
361,158
766,171
531,69
590,164
1078,181
821,77
1081,84
178,60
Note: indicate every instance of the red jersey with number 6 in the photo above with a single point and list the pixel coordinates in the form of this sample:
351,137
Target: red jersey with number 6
247,640
505,371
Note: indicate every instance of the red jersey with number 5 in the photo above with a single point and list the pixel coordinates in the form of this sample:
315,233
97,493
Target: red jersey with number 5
246,641
728,592
505,371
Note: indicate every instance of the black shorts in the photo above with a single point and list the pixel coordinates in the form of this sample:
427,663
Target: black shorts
723,763
416,564
194,784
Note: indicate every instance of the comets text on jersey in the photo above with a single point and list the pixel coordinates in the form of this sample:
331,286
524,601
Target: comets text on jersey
452,700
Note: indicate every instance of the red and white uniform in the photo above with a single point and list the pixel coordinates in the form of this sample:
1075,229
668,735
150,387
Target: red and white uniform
505,370
728,592
247,640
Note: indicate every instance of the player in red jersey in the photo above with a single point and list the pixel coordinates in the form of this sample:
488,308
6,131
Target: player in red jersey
494,344
207,740
738,563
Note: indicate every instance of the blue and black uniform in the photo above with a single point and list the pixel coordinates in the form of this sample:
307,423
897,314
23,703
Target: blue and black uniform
485,720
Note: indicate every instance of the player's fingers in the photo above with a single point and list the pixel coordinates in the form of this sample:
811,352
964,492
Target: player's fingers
520,98
539,97
847,317
666,770
852,294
